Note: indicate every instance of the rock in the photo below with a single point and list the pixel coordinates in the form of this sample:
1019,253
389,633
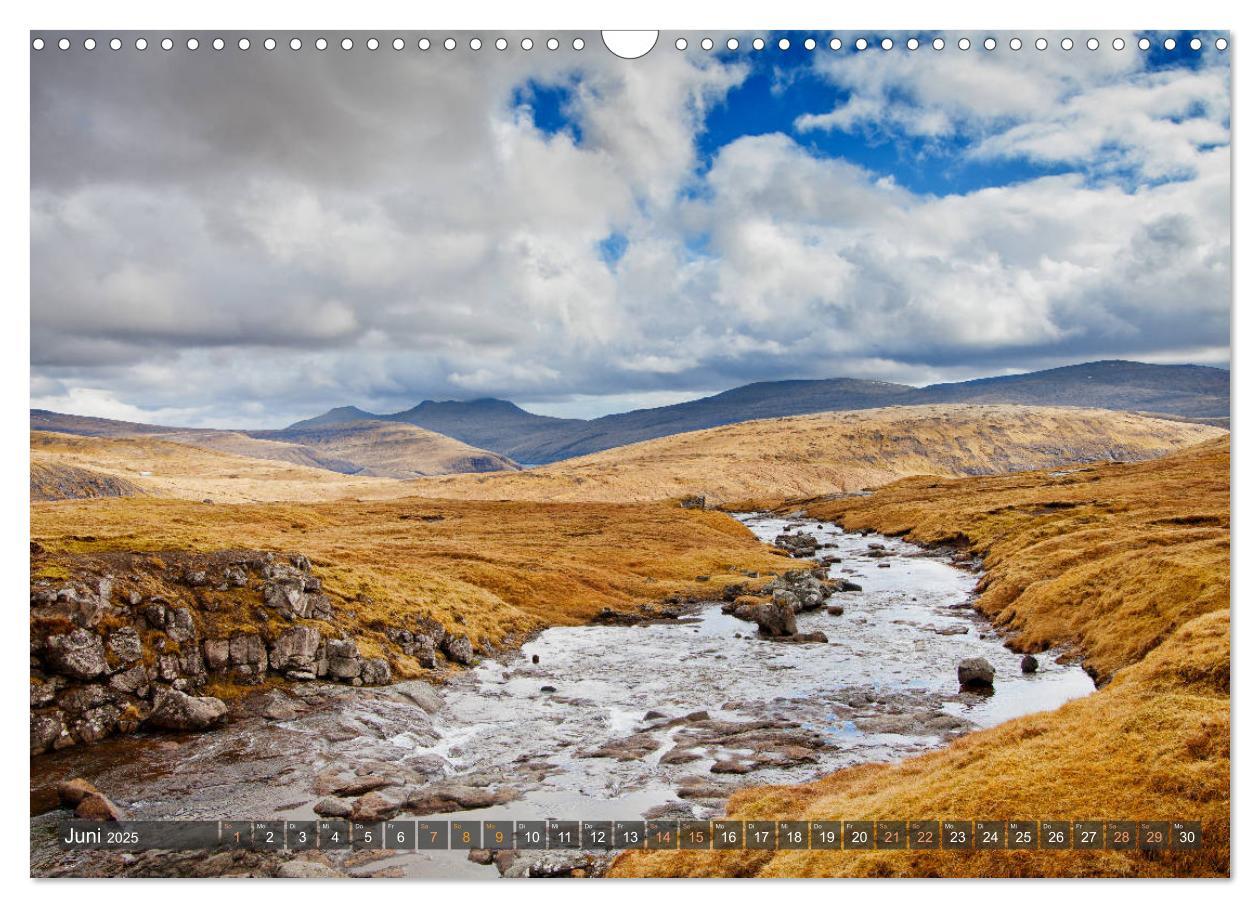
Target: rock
155,614
234,576
811,637
422,649
247,654
975,673
217,654
42,692
953,630
134,681
125,645
847,586
376,807
692,503
296,649
48,732
481,856
99,808
534,659
195,578
177,711
421,694
458,649
548,688
79,654
450,796
72,791
180,625
305,870
1028,665
773,619
800,544
883,564
333,807
835,610
375,671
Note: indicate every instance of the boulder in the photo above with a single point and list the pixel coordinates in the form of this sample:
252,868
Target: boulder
375,671
296,649
99,808
421,648
125,645
376,806
333,807
773,619
975,673
692,503
180,625
177,711
1028,665
421,694
458,649
72,791
217,654
343,660
79,654
247,654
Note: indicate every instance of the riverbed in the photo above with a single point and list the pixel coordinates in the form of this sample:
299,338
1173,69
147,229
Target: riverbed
606,722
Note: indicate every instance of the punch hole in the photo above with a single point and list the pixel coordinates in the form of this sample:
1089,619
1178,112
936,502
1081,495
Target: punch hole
632,44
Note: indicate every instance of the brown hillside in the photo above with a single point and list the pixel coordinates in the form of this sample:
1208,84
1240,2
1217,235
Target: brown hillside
396,450
835,452
1128,563
185,471
55,482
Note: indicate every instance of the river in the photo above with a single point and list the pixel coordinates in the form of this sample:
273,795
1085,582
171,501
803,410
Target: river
604,722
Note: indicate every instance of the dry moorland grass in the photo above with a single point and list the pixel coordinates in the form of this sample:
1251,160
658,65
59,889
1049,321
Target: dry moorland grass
492,570
185,471
834,452
1130,564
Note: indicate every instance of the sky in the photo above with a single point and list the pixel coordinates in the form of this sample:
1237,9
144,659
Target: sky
246,238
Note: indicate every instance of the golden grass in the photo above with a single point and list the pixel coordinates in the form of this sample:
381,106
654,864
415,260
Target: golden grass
834,452
1129,563
492,570
185,471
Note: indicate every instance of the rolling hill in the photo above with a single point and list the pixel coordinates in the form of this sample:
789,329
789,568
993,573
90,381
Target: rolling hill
1199,393
78,466
365,447
827,453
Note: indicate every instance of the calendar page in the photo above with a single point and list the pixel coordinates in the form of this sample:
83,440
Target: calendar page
482,455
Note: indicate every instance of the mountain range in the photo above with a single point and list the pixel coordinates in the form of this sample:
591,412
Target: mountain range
490,435
1200,393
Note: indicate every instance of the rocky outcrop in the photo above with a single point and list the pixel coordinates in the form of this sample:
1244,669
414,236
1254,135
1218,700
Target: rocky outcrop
798,545
130,640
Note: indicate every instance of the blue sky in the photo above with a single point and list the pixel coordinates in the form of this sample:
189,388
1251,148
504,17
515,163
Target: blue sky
249,239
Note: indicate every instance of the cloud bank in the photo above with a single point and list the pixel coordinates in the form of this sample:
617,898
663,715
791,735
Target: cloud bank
243,239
